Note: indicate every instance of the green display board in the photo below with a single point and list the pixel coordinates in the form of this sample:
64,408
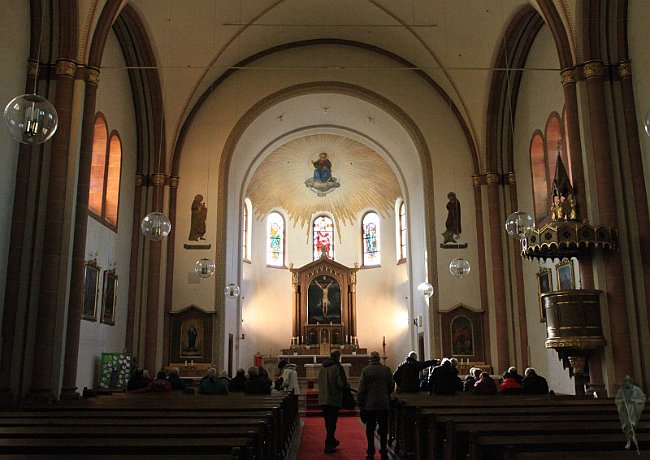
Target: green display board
116,370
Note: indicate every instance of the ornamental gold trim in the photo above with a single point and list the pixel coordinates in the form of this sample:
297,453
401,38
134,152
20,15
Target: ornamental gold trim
593,69
173,181
158,179
492,178
625,69
66,68
568,77
32,69
477,181
580,343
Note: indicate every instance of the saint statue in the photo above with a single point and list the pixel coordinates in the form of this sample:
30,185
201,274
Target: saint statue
197,223
452,224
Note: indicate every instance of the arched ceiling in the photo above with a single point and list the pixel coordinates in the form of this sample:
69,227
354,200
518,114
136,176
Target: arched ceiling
361,180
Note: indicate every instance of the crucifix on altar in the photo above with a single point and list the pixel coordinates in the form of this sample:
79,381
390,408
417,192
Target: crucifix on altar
324,307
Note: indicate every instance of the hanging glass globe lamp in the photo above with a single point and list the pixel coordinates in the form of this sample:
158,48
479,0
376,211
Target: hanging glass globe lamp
31,119
459,267
204,267
425,289
520,224
156,226
231,291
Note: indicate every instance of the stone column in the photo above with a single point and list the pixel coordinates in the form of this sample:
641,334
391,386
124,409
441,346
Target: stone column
136,237
498,280
169,275
606,191
480,243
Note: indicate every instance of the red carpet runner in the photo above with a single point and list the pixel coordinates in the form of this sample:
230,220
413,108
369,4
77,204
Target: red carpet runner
349,431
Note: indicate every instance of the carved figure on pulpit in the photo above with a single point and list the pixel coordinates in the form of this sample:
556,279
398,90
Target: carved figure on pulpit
324,300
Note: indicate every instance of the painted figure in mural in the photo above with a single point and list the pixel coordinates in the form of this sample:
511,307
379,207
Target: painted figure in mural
192,334
322,168
325,301
199,214
452,224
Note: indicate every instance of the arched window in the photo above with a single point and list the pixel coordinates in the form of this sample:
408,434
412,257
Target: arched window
275,240
105,173
540,172
401,230
246,230
323,236
554,138
370,235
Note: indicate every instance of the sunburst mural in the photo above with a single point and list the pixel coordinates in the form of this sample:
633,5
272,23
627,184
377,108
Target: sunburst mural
349,179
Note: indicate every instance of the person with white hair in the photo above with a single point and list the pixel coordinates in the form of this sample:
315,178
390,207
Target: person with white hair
444,380
407,375
534,384
213,384
630,401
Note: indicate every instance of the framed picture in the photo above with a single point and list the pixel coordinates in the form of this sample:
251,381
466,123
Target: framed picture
462,336
565,280
109,297
543,285
91,288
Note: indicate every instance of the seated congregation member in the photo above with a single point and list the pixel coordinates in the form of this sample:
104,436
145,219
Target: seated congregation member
471,379
138,383
175,380
509,385
256,384
534,384
212,384
238,381
444,380
515,375
454,364
407,374
485,385
160,383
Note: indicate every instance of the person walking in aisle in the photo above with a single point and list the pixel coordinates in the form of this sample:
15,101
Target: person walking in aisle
331,382
375,388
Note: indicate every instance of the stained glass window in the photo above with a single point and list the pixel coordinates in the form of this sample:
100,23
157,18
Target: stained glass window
370,236
402,231
275,235
323,236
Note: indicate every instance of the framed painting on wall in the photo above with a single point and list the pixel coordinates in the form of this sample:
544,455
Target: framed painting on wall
565,280
543,285
91,289
109,298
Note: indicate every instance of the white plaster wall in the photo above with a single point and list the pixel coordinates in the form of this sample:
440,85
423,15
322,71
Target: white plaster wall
14,48
349,116
115,101
540,94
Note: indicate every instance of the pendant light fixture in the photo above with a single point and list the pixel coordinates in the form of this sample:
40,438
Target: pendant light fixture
31,119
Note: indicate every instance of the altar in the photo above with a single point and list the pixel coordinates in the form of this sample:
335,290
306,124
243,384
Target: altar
308,366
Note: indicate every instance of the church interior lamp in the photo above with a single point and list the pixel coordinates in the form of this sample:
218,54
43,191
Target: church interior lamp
459,267
204,267
425,289
520,224
31,119
155,226
231,291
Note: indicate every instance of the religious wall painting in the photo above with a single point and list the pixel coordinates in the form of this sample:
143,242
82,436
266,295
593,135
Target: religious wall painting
324,301
462,336
565,277
191,339
544,285
109,297
322,182
91,291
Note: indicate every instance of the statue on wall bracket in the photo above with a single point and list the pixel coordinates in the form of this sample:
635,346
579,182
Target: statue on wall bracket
322,182
452,224
197,224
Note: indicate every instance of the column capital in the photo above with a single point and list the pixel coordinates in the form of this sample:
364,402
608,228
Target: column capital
568,76
511,178
140,180
492,178
173,181
32,68
625,69
92,76
66,68
593,69
158,179
477,180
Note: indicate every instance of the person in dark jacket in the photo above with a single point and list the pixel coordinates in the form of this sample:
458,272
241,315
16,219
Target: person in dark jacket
485,385
509,386
331,382
375,387
407,374
138,382
471,378
534,384
256,384
237,383
212,384
444,380
175,380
